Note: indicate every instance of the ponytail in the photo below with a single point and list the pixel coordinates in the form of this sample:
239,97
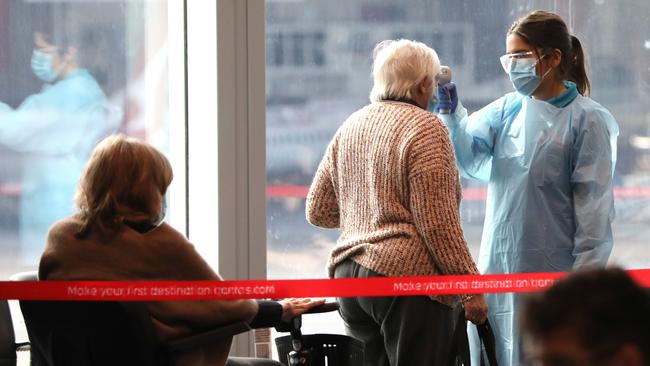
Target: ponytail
577,70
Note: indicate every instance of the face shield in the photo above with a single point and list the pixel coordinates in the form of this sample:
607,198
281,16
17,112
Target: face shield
518,60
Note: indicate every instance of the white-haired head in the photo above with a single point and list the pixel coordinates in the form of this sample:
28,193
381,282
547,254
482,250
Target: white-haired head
399,66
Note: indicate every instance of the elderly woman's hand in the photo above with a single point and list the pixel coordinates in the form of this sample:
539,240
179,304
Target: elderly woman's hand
291,308
476,309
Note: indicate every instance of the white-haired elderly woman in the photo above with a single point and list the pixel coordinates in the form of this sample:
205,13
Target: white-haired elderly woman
389,181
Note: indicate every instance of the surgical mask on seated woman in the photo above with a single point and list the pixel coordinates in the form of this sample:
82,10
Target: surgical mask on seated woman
163,212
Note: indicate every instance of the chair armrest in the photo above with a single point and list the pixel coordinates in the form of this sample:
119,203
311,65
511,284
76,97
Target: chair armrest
295,323
324,308
203,338
24,276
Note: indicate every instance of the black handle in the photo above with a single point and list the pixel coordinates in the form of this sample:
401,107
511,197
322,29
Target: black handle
294,324
487,339
324,308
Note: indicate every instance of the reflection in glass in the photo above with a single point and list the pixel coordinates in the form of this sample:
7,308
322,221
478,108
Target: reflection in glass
71,73
306,103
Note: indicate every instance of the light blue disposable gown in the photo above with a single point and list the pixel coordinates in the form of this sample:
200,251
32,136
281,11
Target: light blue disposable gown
550,204
56,130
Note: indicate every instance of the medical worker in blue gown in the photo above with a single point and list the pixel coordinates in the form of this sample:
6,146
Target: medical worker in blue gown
55,130
547,152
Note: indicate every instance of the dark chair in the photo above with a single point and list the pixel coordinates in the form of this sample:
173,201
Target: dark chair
8,345
101,333
109,333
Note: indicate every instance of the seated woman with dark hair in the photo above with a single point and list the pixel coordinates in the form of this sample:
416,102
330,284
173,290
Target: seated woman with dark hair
595,317
118,234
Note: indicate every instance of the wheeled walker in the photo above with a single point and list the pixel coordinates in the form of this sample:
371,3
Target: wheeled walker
317,349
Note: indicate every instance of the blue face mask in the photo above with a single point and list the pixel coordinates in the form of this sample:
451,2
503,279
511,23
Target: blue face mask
42,66
524,77
163,212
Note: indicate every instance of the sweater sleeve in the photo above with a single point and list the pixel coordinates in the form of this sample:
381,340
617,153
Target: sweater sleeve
322,208
434,200
183,262
594,159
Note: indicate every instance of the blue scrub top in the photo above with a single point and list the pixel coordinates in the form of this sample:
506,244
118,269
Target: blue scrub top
56,130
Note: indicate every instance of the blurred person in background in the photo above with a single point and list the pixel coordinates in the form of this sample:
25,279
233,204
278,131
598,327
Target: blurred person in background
55,129
119,234
599,317
389,182
548,153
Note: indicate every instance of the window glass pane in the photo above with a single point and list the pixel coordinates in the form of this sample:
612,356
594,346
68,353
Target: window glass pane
312,87
72,72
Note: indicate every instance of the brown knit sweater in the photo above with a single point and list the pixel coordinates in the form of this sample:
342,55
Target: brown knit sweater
389,181
160,254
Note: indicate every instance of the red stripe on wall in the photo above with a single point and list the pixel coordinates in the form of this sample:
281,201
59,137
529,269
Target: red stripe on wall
291,191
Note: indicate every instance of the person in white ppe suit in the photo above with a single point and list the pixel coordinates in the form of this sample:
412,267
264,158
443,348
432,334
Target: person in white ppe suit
548,153
55,129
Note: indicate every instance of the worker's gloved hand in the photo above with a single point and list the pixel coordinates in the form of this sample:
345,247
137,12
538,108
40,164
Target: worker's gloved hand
447,98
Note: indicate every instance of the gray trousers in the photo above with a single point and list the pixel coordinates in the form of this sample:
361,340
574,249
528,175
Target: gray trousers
397,331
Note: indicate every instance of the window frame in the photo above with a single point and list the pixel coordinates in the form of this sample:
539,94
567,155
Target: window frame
226,84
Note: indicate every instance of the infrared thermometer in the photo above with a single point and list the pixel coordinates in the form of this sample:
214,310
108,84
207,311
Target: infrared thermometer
444,77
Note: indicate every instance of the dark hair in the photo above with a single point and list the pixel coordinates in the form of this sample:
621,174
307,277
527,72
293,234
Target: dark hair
66,26
43,19
605,309
547,31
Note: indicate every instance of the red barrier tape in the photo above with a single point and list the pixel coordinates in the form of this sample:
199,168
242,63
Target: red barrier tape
469,194
260,289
